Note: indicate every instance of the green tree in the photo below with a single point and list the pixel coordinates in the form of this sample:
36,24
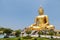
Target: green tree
51,32
28,32
2,29
8,32
39,33
17,34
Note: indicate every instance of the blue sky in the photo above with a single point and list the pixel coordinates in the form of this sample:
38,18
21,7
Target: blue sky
18,14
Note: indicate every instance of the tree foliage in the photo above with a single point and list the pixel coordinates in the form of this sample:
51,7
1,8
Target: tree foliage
28,32
51,32
17,34
7,31
39,33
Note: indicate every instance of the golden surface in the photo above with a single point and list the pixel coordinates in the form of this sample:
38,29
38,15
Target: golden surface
41,22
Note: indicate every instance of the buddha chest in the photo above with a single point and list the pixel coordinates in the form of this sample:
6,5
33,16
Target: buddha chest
41,19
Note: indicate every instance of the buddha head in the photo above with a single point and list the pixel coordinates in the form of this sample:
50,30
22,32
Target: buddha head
41,11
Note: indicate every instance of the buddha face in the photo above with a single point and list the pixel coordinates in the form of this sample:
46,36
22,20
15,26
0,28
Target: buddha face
41,11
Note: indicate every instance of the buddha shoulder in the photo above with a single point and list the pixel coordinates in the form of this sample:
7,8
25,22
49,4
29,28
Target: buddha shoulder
41,16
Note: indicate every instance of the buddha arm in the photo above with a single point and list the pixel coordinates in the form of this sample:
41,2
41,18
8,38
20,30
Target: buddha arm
47,21
36,20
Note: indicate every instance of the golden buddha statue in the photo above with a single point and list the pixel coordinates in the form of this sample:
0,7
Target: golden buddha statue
41,22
